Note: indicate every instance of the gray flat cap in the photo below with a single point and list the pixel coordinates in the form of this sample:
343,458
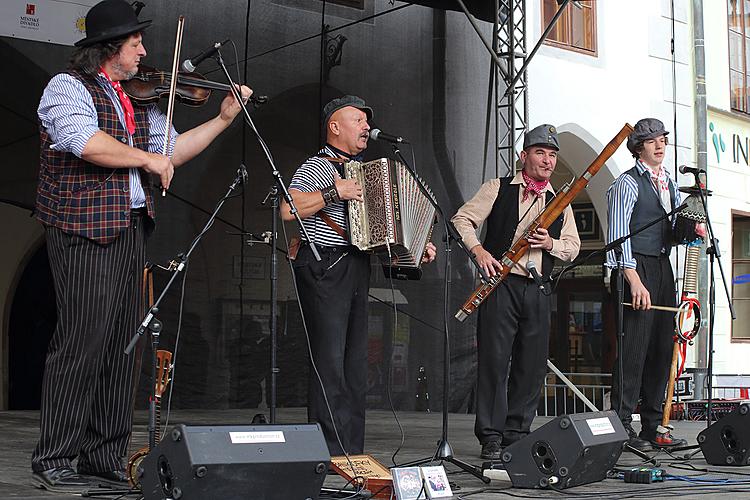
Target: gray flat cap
342,102
543,135
645,129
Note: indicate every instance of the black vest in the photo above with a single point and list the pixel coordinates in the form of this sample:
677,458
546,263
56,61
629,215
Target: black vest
503,220
657,239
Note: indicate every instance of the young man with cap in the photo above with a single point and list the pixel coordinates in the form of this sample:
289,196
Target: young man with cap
93,198
638,196
514,321
334,291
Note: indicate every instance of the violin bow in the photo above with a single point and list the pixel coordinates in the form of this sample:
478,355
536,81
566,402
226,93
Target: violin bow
173,88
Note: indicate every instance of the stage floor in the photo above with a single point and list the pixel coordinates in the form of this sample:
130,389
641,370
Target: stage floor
18,432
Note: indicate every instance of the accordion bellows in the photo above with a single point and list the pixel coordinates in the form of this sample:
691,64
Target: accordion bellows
395,220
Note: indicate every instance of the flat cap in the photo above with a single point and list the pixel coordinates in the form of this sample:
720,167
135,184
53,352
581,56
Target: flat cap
342,102
543,135
645,129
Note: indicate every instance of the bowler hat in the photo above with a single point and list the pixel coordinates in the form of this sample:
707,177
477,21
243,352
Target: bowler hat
644,130
341,102
543,135
110,19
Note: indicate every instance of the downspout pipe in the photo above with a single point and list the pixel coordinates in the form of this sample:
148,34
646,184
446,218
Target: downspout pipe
701,159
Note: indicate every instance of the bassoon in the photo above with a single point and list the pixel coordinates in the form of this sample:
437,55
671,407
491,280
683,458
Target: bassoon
543,220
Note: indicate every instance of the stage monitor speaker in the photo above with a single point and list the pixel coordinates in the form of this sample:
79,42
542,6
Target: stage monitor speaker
227,462
727,441
568,451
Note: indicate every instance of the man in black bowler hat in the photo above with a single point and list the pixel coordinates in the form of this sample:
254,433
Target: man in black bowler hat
97,148
514,321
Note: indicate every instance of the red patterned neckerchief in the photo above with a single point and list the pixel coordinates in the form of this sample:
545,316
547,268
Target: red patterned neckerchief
532,186
661,184
127,106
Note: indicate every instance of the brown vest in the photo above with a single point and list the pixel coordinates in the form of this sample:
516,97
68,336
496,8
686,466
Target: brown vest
82,198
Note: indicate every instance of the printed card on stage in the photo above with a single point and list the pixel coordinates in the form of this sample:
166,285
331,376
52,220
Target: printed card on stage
436,482
407,483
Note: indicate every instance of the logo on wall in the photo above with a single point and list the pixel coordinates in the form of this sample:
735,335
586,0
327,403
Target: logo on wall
718,142
29,20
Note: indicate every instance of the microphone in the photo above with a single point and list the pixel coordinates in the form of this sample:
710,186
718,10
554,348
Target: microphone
531,268
378,135
189,65
684,169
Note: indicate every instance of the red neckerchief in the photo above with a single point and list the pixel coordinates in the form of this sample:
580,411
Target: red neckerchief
662,187
127,106
532,186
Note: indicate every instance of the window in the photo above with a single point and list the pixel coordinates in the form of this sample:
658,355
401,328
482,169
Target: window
575,29
741,275
739,45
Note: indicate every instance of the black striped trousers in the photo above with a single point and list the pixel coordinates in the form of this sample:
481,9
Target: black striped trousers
86,408
647,347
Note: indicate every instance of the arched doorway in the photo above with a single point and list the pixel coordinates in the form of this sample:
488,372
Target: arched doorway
31,324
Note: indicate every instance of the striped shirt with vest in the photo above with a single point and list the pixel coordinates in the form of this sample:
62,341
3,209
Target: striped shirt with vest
622,197
77,196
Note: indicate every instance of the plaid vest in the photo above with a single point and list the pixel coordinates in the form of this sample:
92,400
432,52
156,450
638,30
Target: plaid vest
84,199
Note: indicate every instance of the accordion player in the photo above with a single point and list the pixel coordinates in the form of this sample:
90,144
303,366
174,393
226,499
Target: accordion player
395,219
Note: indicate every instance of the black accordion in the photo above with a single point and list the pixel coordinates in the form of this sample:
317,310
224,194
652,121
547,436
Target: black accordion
395,219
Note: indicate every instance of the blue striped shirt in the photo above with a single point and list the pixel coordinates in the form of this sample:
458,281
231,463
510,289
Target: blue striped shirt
68,114
621,198
313,175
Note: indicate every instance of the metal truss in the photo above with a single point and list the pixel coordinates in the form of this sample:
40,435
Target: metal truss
511,96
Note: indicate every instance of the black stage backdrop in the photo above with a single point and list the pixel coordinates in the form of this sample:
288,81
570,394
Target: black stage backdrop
425,73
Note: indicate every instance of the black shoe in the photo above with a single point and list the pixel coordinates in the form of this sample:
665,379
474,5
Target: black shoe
115,477
491,450
636,442
62,479
667,441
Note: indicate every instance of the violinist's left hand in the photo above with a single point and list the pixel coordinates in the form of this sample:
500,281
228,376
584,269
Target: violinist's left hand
229,106
430,252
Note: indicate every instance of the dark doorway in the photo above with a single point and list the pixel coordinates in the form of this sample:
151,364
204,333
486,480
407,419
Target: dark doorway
32,321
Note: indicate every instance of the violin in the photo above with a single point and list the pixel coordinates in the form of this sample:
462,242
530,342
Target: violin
149,85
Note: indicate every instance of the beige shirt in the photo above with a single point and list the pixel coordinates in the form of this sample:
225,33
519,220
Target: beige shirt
470,217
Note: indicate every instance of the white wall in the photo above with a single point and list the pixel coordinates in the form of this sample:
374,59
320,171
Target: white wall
630,78
729,181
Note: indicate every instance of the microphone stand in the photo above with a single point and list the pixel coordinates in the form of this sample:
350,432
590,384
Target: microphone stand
444,450
712,250
279,185
279,180
273,198
152,324
616,245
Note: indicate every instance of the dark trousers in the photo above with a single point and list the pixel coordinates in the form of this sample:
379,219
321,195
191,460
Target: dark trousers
647,347
86,405
333,293
513,335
